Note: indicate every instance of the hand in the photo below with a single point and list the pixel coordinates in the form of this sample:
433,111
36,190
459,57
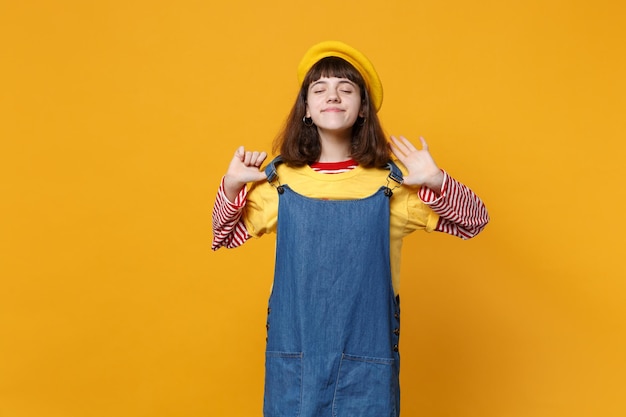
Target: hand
422,168
243,168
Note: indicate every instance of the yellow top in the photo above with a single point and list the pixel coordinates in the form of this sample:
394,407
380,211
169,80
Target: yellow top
408,212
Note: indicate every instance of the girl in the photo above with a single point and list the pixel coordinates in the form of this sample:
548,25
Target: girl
340,208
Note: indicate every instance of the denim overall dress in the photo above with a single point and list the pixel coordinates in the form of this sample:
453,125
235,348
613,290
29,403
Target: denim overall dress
333,320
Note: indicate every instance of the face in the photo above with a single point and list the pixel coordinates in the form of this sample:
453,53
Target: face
333,103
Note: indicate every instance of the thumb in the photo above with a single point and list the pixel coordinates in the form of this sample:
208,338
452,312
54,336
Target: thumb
424,144
240,153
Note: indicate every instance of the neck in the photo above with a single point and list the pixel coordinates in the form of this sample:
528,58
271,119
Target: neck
335,146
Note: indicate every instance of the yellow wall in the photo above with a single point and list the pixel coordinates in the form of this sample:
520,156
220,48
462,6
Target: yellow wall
118,118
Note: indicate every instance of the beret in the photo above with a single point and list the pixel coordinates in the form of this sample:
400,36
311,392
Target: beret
354,57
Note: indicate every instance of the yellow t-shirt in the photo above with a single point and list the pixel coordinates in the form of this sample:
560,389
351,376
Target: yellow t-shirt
408,212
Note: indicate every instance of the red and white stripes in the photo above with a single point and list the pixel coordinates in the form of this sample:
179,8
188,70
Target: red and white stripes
461,212
228,228
334,167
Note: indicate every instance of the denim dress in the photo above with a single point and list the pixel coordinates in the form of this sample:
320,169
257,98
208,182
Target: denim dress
333,321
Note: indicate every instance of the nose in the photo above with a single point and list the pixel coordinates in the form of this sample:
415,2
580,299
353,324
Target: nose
333,97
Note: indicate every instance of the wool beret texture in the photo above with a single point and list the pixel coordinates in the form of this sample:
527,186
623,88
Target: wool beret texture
354,57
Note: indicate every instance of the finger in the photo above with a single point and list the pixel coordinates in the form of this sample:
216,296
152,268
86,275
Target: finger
261,158
408,144
257,158
403,144
247,158
398,146
424,144
397,153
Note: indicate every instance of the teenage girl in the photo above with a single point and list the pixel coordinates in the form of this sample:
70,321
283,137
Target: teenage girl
340,207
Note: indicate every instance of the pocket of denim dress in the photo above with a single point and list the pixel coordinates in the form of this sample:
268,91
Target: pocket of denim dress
366,387
283,384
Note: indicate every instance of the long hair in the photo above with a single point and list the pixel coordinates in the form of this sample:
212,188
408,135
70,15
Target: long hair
299,144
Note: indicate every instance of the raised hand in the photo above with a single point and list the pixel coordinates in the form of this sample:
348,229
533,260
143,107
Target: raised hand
422,168
243,168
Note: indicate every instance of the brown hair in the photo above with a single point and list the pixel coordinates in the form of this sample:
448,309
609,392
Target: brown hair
299,144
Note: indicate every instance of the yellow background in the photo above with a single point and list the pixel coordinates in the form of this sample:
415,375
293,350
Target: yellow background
118,118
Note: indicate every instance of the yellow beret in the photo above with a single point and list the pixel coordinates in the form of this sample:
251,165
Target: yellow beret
354,57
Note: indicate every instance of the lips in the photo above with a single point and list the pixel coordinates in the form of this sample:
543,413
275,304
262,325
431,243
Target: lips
332,110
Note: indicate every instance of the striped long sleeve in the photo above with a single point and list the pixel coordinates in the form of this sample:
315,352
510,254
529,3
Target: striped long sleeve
228,228
461,212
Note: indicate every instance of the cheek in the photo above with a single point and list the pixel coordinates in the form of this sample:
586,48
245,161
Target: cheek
312,103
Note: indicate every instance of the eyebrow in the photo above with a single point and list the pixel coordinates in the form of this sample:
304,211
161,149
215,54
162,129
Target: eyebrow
342,81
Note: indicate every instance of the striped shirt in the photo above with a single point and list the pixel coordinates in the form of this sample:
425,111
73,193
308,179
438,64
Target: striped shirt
461,212
334,167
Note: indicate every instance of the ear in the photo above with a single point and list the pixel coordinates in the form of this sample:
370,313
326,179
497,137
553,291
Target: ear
363,109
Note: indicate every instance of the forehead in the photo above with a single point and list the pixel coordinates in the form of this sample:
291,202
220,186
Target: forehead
333,67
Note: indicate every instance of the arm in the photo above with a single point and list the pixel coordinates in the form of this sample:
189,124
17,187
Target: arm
461,212
228,227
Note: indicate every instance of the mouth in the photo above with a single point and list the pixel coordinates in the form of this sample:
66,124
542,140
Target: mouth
332,110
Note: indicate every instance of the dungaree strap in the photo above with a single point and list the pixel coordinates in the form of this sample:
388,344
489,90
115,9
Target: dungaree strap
270,170
394,172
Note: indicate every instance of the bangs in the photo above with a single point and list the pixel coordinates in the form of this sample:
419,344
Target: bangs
333,66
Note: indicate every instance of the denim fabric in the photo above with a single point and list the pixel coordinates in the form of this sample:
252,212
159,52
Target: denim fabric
333,320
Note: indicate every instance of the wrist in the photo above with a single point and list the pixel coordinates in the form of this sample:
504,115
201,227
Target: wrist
232,187
435,181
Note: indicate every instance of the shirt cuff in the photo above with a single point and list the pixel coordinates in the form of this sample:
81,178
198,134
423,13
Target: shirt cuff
430,197
240,200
